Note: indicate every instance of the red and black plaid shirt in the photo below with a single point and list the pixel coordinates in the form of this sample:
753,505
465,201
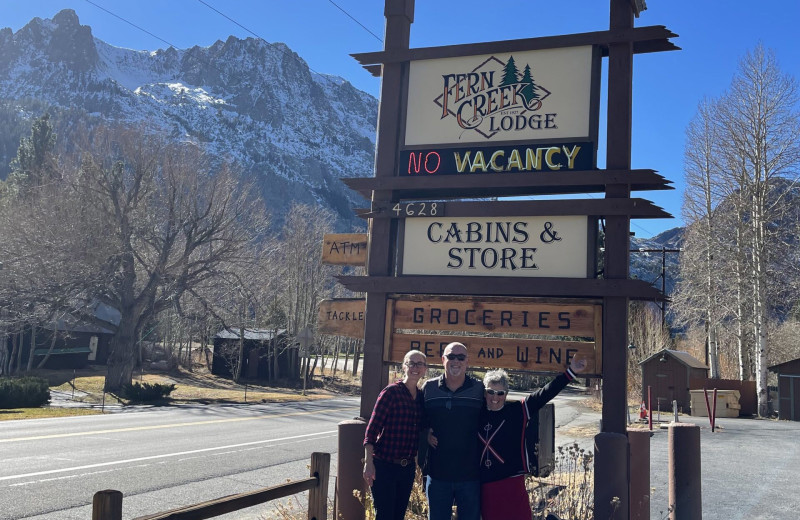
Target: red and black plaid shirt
394,426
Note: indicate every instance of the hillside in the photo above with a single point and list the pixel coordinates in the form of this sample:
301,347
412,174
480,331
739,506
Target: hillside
255,103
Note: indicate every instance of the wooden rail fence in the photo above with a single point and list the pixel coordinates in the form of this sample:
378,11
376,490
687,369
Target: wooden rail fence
107,505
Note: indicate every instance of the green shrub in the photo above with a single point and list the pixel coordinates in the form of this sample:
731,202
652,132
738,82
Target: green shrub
24,392
147,392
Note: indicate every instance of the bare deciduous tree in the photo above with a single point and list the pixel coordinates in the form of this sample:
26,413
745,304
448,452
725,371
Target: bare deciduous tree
133,222
754,157
647,335
698,296
297,258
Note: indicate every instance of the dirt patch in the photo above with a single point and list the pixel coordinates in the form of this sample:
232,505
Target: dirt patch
579,431
44,412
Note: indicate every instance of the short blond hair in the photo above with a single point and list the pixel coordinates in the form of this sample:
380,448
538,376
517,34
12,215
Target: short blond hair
410,353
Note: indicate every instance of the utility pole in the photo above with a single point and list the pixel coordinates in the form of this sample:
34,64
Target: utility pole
663,276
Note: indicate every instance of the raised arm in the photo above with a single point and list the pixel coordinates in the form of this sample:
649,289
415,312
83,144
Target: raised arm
542,396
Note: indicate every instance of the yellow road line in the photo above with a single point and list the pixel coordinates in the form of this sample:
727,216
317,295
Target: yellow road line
174,425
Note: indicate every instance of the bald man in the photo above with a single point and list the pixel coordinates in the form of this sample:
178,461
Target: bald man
453,403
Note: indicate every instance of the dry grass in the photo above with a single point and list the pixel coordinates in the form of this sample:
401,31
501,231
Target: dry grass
42,413
569,491
91,385
198,386
190,387
579,431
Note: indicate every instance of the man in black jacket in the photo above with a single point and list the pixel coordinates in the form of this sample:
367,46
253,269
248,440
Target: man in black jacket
453,402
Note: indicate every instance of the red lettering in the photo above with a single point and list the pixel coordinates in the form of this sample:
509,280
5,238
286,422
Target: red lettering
435,156
414,163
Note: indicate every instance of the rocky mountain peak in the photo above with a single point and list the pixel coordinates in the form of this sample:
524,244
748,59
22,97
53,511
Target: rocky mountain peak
61,41
72,43
255,103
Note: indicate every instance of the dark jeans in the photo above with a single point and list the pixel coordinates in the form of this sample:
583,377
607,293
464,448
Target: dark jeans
391,489
441,493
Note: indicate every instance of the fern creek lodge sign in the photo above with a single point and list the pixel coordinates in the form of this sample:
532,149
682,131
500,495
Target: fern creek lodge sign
524,96
554,246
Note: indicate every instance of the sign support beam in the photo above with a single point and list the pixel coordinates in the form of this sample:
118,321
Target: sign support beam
611,473
375,375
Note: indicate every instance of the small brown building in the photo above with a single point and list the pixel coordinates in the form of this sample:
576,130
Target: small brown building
266,355
670,374
788,404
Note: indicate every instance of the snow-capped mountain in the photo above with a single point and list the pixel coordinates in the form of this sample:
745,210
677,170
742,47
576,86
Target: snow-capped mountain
253,102
256,103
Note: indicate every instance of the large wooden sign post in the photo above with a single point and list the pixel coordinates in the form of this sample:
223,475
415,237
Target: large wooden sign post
517,281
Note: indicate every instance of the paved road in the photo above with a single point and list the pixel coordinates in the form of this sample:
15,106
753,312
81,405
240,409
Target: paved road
749,469
164,458
160,459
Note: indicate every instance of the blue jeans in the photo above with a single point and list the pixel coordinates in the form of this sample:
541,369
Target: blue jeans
442,493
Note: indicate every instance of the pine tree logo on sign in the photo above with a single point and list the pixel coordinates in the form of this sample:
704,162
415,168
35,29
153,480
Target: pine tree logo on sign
494,97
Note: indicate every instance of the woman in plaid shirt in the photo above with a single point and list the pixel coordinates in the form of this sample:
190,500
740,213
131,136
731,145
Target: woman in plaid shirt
391,440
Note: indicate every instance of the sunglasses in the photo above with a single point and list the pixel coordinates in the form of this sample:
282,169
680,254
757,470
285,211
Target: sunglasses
501,393
415,364
460,357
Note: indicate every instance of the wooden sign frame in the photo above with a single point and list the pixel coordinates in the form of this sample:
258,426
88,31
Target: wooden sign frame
510,333
388,188
620,42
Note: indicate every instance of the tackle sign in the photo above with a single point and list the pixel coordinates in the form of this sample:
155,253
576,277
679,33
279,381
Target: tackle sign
342,317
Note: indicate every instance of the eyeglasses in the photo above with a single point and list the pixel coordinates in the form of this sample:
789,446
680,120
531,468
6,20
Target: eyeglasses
460,357
415,364
501,393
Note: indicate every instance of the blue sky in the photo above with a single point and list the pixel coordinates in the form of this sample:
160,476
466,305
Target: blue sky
714,35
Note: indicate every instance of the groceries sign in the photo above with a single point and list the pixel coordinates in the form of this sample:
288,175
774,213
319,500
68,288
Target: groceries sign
548,334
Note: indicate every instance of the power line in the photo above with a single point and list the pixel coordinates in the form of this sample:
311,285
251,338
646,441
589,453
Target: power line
356,21
209,63
293,56
232,20
131,23
632,223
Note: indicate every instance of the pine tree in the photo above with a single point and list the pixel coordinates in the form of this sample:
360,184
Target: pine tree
510,73
529,90
34,164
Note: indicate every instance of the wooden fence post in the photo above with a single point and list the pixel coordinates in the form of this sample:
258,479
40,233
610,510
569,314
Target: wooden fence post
107,505
685,478
639,490
318,495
